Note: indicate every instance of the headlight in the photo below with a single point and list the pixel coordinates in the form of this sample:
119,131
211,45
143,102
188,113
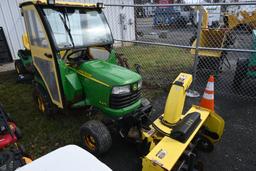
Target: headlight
140,84
121,90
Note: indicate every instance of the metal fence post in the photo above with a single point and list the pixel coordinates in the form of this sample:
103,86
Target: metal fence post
192,92
162,56
122,23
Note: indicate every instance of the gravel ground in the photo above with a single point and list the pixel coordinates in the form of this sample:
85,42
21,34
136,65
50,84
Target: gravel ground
236,151
6,67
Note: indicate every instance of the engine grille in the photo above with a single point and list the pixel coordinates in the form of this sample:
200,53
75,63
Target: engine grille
124,100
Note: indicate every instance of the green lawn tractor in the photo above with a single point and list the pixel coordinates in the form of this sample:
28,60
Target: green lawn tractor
245,68
23,65
74,66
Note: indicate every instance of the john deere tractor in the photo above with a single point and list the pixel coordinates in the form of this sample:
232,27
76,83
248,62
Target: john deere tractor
69,51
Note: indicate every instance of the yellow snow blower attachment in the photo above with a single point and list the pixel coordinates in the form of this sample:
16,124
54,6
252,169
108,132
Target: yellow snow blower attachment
242,18
173,139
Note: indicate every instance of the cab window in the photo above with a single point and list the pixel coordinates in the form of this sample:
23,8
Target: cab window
36,34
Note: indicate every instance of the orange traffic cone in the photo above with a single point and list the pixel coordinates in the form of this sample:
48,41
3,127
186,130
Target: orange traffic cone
207,100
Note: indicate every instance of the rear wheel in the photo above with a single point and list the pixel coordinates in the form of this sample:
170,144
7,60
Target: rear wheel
19,67
95,137
43,101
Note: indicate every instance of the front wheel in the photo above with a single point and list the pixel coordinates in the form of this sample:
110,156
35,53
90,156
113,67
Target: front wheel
43,101
95,137
19,67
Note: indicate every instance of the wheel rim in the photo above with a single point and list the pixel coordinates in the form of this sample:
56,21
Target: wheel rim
40,104
90,142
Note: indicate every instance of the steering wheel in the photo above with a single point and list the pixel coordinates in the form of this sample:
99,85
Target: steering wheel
75,57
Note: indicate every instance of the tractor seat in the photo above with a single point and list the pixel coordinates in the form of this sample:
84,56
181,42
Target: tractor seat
24,54
98,53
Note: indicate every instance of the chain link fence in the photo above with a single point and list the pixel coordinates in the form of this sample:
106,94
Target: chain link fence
218,39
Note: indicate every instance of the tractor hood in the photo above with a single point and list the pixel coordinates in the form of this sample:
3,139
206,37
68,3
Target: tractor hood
108,73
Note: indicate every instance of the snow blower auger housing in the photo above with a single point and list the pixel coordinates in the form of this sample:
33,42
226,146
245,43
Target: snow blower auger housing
74,66
173,138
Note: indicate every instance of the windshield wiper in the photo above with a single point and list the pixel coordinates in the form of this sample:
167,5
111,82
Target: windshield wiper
64,21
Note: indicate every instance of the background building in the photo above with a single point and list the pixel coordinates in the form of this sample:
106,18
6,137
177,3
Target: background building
13,25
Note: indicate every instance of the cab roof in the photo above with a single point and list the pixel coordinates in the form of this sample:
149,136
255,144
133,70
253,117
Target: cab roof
59,3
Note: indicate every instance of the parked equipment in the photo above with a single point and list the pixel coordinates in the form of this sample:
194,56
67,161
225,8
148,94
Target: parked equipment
75,66
12,159
222,37
172,15
12,155
171,142
9,132
243,17
245,68
211,61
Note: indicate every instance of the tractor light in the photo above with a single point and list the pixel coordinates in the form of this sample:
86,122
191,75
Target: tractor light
100,5
140,84
50,2
121,90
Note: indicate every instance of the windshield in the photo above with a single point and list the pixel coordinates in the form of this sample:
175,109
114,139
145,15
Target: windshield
78,27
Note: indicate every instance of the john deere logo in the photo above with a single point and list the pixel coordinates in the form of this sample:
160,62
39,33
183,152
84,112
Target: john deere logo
134,87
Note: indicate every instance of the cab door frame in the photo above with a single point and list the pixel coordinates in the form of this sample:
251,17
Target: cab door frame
46,54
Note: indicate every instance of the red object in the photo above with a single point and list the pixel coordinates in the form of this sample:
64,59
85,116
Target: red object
207,100
252,68
164,1
7,139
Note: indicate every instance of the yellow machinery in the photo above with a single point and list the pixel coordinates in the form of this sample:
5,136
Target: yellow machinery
242,18
221,37
212,60
173,138
211,38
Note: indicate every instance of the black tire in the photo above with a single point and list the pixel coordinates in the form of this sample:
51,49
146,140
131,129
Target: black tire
240,73
205,145
19,67
18,133
95,137
6,158
43,101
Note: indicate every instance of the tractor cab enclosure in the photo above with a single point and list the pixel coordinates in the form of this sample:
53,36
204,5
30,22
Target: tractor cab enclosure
74,64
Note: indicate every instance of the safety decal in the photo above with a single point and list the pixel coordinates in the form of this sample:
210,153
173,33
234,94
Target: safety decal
161,154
